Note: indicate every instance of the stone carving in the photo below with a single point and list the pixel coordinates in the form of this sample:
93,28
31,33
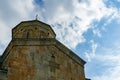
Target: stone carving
53,65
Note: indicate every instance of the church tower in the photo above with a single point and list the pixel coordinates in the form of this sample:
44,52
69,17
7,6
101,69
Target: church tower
35,54
33,29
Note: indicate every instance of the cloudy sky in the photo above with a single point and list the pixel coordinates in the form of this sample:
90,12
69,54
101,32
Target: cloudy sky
91,28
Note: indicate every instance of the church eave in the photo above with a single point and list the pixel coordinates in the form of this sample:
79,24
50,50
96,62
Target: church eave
70,53
6,53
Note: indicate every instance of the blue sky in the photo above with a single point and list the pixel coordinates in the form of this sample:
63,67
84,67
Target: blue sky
91,28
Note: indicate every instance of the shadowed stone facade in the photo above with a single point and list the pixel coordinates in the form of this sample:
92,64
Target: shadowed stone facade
35,54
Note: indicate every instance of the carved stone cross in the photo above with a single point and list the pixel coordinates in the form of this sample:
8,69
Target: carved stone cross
36,16
53,65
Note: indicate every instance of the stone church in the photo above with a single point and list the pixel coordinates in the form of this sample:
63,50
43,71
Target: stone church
35,54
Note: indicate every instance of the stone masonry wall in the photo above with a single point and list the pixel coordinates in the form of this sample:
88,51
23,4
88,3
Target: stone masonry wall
42,63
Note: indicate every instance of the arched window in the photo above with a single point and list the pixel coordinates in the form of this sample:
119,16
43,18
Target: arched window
53,58
27,35
52,69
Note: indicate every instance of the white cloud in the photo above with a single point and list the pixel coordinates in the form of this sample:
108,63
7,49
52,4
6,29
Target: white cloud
12,13
109,57
91,54
115,16
112,72
97,32
4,36
118,0
65,12
23,7
79,14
